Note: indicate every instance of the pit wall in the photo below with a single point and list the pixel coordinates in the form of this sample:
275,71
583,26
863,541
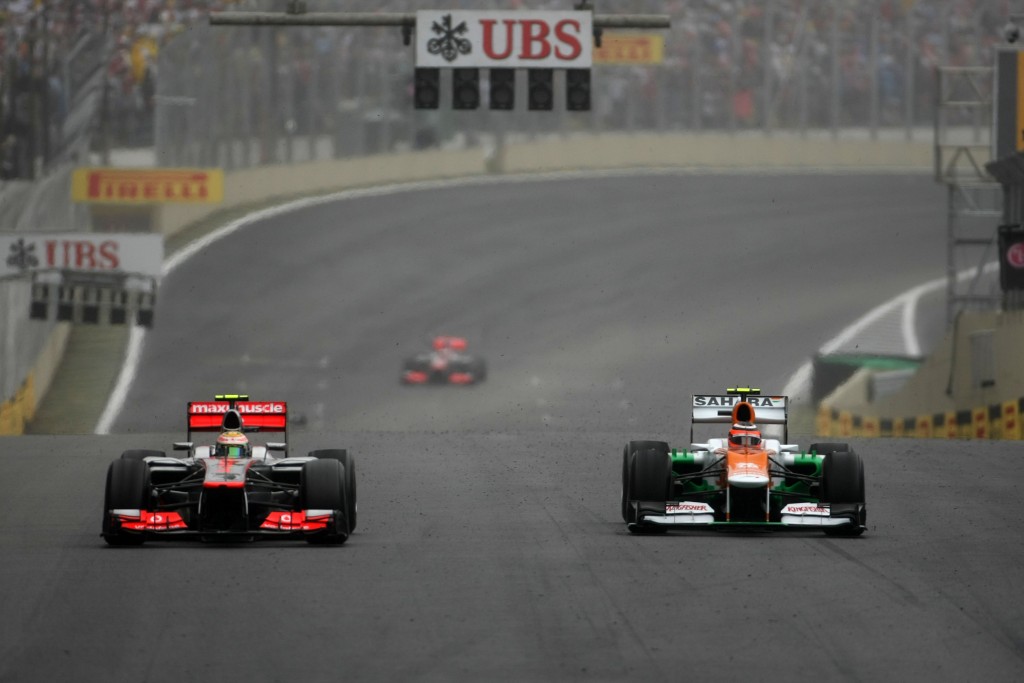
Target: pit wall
944,398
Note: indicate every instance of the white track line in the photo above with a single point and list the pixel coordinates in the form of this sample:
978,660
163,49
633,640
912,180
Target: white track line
799,383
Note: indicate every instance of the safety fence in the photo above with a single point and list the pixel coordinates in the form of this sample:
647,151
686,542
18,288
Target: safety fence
247,96
51,92
994,421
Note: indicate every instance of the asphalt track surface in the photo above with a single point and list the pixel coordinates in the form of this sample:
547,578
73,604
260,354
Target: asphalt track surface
489,544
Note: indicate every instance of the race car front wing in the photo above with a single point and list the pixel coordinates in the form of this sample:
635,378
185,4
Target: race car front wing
171,525
702,514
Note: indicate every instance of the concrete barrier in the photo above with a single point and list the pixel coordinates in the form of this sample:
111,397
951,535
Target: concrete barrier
716,151
268,184
785,151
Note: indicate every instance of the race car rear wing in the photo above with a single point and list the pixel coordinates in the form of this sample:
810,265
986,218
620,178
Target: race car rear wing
718,409
263,416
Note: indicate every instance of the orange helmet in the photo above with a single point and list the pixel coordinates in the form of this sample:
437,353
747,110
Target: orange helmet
745,434
232,445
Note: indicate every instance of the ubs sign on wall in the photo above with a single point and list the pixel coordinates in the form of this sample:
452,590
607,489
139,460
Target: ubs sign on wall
504,39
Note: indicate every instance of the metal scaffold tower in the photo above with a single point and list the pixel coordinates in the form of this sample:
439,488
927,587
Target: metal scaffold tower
963,145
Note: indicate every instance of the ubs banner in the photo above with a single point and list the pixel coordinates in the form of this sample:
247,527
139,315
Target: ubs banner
87,277
147,185
498,39
86,253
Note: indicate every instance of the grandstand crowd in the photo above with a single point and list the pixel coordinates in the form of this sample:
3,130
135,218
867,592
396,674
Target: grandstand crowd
49,47
890,45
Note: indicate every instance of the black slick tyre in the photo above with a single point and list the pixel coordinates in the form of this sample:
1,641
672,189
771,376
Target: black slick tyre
650,474
323,488
126,489
650,478
624,497
349,463
842,478
627,453
842,484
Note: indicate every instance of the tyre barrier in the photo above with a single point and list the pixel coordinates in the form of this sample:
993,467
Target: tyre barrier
997,421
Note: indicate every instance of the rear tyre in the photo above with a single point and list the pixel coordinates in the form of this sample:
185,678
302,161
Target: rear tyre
349,463
127,484
142,454
842,483
323,488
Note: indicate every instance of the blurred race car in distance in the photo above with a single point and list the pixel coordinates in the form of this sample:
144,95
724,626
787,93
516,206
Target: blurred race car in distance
446,363
743,480
232,490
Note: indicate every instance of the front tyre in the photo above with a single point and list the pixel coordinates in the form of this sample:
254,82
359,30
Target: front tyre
650,479
842,487
627,452
349,463
323,488
126,489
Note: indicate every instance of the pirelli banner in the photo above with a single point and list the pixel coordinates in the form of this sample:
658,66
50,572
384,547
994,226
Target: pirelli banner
630,49
146,186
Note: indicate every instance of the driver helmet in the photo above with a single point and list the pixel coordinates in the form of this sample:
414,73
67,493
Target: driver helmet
745,434
440,343
232,445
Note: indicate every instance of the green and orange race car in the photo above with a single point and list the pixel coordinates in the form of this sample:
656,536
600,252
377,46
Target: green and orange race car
743,480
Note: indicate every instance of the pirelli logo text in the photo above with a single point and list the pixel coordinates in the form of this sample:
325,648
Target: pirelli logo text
148,186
